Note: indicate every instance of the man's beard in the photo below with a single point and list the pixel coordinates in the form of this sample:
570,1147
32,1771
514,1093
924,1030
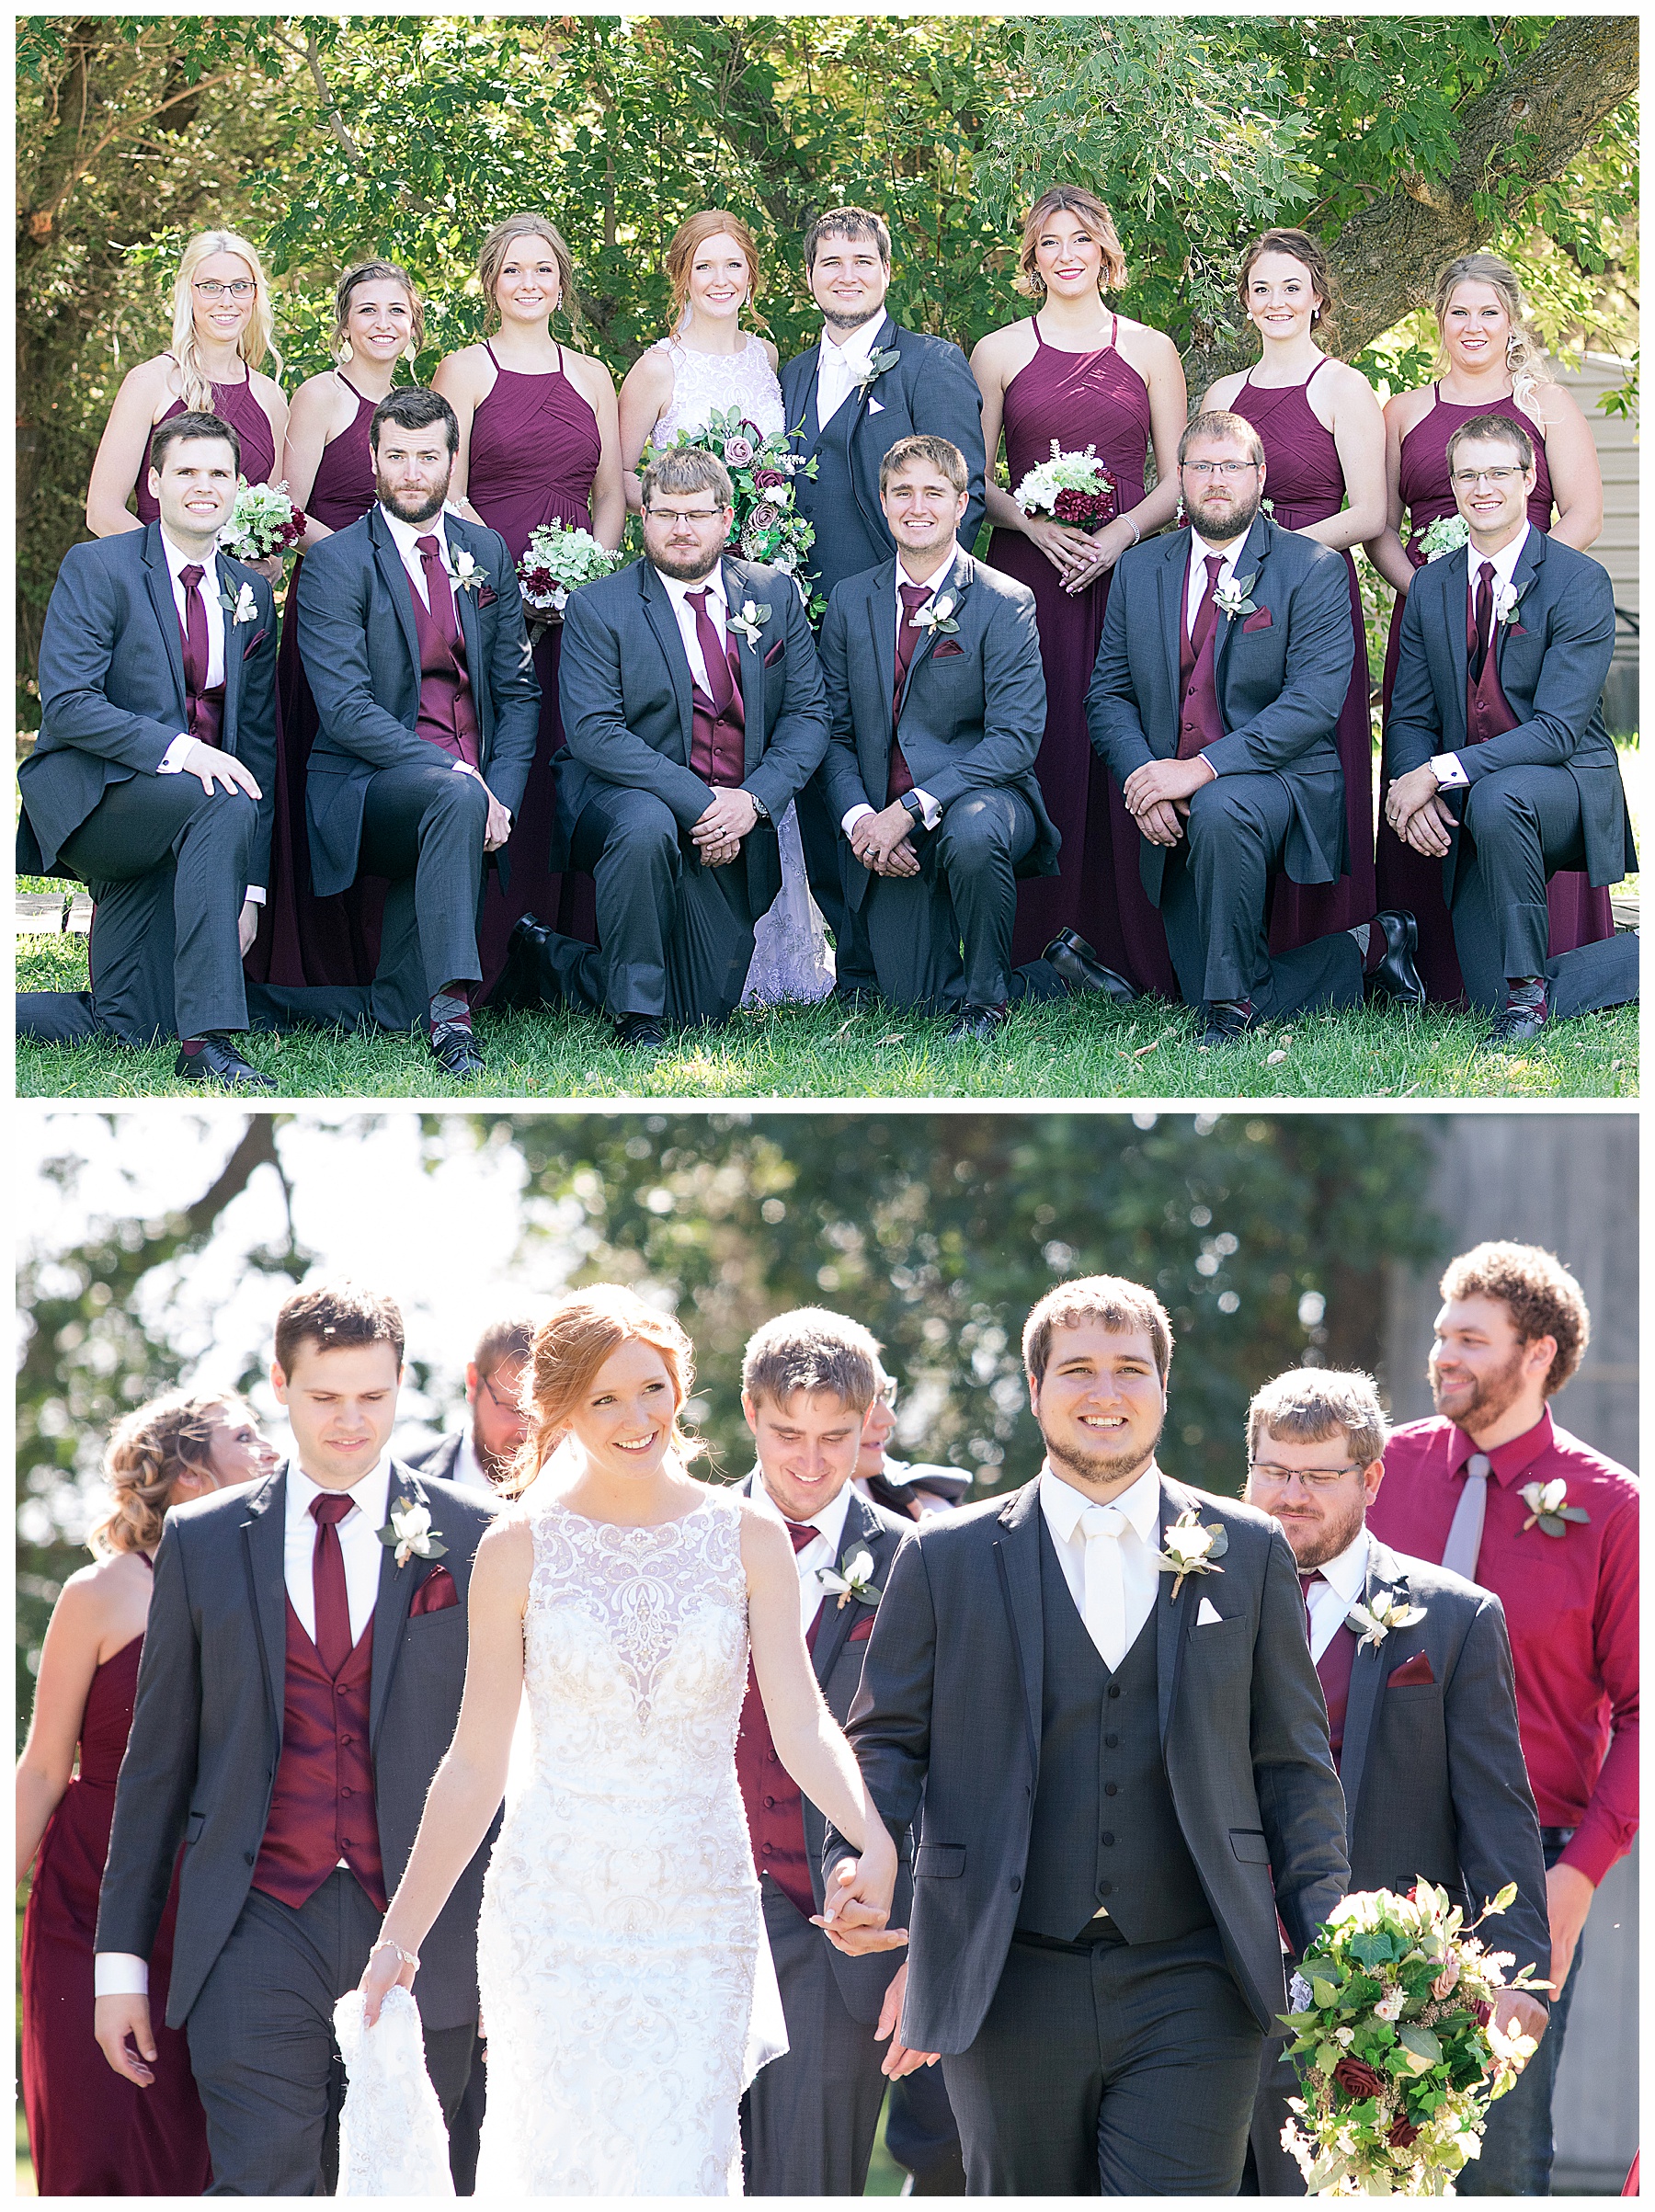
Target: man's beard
494,1465
1331,1539
427,511
1102,1467
1220,531
838,321
686,569
1492,1395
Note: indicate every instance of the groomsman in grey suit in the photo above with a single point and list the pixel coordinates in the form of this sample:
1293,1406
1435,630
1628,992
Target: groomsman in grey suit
938,699
1499,760
1422,1717
479,1455
692,715
808,2121
1224,662
1119,1758
153,775
300,1681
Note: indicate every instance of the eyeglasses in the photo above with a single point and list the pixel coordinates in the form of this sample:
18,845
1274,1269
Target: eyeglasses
210,288
1219,468
506,1405
1468,480
675,514
1313,1478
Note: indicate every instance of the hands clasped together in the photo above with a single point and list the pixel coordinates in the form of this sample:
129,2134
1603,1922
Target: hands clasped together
1417,815
1158,795
853,1920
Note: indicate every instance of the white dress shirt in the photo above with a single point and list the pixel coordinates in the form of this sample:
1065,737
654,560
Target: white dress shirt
1330,1599
122,1973
1064,1506
1446,767
830,1525
405,536
679,591
839,365
930,813
1196,585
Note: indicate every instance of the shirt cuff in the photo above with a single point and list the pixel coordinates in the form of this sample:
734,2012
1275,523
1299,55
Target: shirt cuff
172,761
119,1974
1592,1851
930,813
853,815
1448,772
255,895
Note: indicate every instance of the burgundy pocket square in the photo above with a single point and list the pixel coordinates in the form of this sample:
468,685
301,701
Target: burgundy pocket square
486,597
1413,1673
1260,621
947,650
435,1594
862,1630
253,649
775,653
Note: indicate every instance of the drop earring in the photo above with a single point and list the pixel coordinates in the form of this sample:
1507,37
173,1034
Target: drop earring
347,353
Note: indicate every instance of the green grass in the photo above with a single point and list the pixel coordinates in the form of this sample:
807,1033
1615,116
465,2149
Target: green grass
1072,1049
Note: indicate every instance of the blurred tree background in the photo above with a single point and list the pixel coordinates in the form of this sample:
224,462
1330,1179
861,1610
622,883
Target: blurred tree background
1267,1238
1397,141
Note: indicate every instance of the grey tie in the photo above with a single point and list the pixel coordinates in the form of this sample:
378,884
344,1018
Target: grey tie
1464,1534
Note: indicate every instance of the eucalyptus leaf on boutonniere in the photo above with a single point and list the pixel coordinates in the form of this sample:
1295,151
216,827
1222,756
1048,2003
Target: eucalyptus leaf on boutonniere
881,359
1192,1546
409,1529
468,573
1505,603
937,615
1232,597
852,1579
1388,1610
242,608
750,621
1545,1501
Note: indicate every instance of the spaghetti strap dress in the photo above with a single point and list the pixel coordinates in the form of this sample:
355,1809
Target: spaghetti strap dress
1580,915
238,405
1304,483
1080,399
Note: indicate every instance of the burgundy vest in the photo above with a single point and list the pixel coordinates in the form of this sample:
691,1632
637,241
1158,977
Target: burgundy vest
718,742
775,1808
323,1810
206,707
1486,713
1333,1670
1200,723
448,715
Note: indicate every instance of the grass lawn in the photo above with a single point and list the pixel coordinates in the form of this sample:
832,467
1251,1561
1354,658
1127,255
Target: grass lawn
1072,1049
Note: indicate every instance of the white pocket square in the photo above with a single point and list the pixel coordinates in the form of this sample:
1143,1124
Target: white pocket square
875,406
1207,1613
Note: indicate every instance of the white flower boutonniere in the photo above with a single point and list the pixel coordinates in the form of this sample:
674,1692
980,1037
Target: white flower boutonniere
1505,603
1192,1548
1232,597
851,1579
873,368
750,621
1545,1501
937,614
1387,1612
409,1529
242,608
467,574
1445,535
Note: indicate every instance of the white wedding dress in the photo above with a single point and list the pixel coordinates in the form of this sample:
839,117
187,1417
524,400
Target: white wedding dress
627,1987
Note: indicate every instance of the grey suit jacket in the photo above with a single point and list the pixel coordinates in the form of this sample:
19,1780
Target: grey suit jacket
437,1460
112,695
200,1762
1552,660
972,720
361,651
950,1706
838,1661
1280,685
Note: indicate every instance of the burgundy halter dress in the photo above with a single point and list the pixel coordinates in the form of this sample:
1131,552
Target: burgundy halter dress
238,405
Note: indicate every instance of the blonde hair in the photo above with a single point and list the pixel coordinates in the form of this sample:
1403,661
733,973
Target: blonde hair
581,1332
689,238
491,260
257,340
148,1450
1525,359
1308,1405
1070,200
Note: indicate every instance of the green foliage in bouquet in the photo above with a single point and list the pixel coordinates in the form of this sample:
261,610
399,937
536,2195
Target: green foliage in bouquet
767,526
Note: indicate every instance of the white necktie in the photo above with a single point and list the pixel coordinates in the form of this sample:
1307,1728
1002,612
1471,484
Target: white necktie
1464,1534
1103,1526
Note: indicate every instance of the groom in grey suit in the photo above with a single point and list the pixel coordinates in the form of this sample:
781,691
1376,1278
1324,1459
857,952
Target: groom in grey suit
300,1680
1123,1769
1423,1720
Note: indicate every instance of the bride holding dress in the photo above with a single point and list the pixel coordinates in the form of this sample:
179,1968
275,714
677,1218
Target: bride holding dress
621,1959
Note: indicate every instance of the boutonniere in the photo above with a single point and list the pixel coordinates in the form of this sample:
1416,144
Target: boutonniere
750,621
409,1529
1445,535
851,1579
467,572
1192,1548
242,608
873,368
1545,1501
1388,1610
1505,603
936,615
1232,599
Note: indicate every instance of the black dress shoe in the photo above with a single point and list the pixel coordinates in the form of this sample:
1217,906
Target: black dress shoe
641,1033
1396,977
976,1023
528,978
219,1062
454,1049
1525,1013
1081,969
1228,1021
856,997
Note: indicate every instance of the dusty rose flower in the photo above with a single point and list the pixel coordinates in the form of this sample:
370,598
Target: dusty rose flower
1356,2077
767,480
764,516
1481,2010
739,451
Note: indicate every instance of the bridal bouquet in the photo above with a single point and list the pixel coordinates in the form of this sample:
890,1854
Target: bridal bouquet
1397,2046
557,561
1075,488
1445,535
762,465
264,523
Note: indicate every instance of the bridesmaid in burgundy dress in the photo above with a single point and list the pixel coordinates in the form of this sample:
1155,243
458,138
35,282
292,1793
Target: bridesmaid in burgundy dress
1078,373
327,465
1492,367
539,442
1324,446
222,330
90,2134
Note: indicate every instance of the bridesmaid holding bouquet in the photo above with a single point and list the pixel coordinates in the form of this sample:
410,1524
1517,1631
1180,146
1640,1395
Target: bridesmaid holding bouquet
1077,374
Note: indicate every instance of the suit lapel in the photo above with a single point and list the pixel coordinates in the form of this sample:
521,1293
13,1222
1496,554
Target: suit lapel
751,658
1171,581
1369,1670
1172,1615
395,1596
658,608
397,583
1523,576
264,1532
1017,1550
856,406
233,653
836,1621
1254,553
166,614
1455,589
958,581
471,630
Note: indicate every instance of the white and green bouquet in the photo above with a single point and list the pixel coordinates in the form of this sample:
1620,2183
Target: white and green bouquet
1397,2045
558,560
1445,535
762,465
1074,488
264,523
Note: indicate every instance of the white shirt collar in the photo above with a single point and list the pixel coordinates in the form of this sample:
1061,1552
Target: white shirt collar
855,349
829,1522
1229,553
371,1495
1347,1573
1505,561
177,560
677,588
406,535
1063,1504
939,576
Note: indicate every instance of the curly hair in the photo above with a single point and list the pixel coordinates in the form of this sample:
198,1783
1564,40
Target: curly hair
1525,356
148,1450
1538,1292
581,1332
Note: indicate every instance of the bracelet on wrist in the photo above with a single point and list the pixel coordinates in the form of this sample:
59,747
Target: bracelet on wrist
385,1943
1138,535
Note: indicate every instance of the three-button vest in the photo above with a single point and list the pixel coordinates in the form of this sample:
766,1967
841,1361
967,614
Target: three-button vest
718,741
323,1809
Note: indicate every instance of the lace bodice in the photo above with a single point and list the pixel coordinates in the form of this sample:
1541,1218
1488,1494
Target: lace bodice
703,383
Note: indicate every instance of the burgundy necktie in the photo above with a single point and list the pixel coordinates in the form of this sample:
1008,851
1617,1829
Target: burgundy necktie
1206,612
440,595
1315,1575
328,1581
719,689
802,1533
195,629
914,596
1484,618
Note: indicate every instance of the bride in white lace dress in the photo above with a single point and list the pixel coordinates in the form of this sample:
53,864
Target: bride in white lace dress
708,366
626,1985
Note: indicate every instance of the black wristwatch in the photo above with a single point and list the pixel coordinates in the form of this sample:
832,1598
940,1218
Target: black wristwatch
759,808
915,805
